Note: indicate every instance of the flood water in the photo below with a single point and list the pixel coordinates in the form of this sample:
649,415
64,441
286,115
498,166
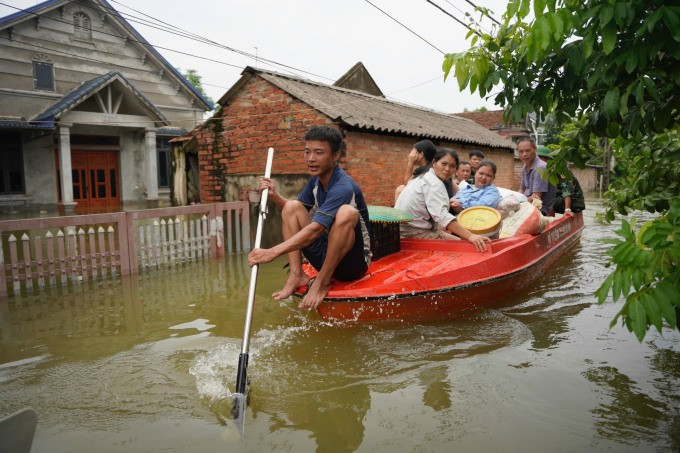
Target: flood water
148,364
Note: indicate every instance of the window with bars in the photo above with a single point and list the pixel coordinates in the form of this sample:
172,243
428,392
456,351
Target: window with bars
43,73
82,27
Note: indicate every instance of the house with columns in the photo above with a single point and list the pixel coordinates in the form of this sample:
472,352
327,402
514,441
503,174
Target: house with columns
87,108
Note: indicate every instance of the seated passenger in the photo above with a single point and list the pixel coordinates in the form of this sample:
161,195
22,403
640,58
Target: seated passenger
460,179
568,193
482,193
426,199
420,161
476,158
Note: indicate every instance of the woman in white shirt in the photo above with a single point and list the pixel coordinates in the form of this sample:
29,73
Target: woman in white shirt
426,199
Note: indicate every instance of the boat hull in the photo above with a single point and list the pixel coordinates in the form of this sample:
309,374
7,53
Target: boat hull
443,279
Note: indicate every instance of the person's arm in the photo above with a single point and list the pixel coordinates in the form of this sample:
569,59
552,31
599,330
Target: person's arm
456,205
539,186
277,198
535,196
478,241
567,205
300,240
455,186
567,190
437,203
411,162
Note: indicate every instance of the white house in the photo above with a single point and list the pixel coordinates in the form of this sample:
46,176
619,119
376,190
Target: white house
87,107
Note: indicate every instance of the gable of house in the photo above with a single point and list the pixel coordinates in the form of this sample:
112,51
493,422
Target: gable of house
77,42
359,79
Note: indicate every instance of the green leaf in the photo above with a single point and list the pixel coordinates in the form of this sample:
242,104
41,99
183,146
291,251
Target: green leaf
666,309
616,286
611,103
603,290
640,93
621,12
556,25
672,20
609,38
653,311
638,319
638,279
539,6
543,32
606,14
652,19
588,42
651,88
447,65
667,291
524,8
631,62
623,109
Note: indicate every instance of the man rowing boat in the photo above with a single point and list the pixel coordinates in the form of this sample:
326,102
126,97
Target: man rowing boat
328,223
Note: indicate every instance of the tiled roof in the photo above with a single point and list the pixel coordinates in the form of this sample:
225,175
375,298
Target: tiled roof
84,91
373,113
14,123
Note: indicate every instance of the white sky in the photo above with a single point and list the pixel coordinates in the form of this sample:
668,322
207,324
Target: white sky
320,36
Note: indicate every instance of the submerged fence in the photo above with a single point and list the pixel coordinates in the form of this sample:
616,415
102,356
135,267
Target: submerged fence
41,252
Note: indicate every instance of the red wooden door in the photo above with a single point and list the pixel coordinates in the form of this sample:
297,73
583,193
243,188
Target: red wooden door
95,178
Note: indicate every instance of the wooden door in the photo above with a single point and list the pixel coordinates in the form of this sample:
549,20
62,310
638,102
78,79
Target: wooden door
95,178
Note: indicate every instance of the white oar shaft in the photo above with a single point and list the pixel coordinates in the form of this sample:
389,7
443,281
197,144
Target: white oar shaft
245,345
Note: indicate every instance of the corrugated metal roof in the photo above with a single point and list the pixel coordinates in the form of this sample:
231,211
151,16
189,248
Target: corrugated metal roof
87,89
374,113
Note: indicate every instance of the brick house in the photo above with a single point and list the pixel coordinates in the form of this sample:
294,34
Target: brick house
266,109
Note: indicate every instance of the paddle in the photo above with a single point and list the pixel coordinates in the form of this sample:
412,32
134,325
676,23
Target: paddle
241,376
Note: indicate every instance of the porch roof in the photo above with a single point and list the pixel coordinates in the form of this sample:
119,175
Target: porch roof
87,89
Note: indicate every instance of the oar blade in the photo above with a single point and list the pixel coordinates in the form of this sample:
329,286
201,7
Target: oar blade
239,410
241,393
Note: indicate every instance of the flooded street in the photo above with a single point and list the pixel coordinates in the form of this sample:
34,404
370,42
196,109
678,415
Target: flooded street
148,364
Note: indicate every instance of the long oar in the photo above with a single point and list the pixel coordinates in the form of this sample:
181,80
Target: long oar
241,377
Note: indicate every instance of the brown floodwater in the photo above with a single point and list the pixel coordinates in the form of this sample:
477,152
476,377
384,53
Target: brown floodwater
148,364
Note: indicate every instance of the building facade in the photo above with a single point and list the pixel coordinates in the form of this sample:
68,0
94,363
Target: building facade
87,107
266,109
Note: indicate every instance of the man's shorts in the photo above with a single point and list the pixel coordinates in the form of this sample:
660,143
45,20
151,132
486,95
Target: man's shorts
352,267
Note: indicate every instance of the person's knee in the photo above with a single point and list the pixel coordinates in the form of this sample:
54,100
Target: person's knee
292,207
347,216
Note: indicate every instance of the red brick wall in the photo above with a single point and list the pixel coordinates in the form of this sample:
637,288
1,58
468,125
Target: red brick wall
260,115
378,162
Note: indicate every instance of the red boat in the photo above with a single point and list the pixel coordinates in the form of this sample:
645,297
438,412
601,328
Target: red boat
434,279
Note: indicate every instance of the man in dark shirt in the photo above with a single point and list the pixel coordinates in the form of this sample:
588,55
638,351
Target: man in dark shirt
328,223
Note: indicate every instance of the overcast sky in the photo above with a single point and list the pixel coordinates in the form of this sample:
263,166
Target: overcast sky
322,37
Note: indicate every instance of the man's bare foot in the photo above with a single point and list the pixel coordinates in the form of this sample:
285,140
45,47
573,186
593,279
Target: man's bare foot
315,295
294,282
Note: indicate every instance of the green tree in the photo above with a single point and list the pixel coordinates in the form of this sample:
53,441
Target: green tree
194,78
612,66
